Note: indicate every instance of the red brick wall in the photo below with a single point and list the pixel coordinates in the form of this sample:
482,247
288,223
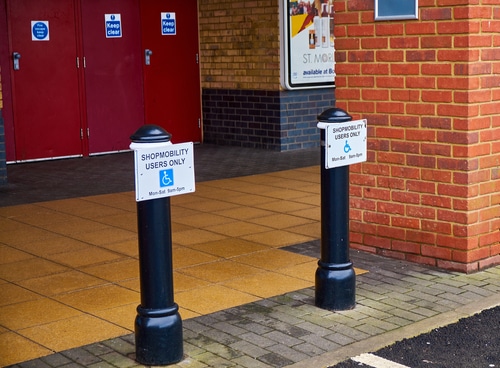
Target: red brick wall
430,89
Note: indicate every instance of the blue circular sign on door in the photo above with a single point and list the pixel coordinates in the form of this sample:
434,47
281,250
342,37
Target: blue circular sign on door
40,30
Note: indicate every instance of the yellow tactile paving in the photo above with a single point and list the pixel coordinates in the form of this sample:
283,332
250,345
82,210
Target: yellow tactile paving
267,284
53,244
271,259
185,257
238,228
184,282
278,238
212,298
203,220
13,294
29,268
17,348
229,247
313,213
127,247
280,221
74,226
33,313
69,272
123,269
60,335
105,235
208,205
125,221
60,283
283,206
249,199
311,229
83,257
216,272
27,234
243,213
11,255
194,236
98,298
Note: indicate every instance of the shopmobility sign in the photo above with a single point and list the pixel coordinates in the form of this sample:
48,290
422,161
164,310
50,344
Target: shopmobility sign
345,143
163,170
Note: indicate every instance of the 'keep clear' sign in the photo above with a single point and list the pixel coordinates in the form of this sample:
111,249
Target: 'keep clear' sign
163,170
168,24
113,25
345,143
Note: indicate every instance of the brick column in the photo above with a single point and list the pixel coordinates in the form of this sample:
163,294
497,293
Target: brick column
430,89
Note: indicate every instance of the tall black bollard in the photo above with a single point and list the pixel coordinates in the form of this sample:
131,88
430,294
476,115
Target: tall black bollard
335,278
158,325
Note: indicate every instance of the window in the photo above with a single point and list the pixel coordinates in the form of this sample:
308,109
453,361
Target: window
396,9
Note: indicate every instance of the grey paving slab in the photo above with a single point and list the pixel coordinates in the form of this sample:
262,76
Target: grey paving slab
289,331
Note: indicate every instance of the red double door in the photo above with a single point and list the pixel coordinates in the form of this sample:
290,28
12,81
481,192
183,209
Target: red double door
81,81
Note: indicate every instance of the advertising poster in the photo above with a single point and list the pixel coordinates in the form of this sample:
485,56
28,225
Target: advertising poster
310,44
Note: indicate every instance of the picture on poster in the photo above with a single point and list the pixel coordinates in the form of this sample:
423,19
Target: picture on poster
310,44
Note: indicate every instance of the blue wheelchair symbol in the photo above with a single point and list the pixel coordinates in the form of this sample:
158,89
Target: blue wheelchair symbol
347,148
166,178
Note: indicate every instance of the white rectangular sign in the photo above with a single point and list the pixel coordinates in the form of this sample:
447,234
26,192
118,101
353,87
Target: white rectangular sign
164,171
345,143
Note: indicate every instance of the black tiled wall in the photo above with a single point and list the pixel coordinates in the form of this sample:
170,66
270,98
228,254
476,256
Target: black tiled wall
273,120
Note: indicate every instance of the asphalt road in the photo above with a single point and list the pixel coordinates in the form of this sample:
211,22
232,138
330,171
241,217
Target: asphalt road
472,342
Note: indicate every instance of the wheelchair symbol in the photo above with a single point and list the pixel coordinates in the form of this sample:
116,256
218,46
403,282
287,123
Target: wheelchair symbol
166,178
347,148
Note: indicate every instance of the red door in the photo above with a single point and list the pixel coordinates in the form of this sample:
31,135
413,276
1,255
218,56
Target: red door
172,91
113,73
45,95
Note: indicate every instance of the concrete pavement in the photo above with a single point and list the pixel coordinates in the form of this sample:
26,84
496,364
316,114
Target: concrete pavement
277,327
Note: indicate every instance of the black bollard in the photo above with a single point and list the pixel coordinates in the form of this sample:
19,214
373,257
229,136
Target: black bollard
335,278
158,325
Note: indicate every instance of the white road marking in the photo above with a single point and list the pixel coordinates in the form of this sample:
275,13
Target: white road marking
377,362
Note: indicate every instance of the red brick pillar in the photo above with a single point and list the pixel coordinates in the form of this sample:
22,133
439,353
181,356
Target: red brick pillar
430,89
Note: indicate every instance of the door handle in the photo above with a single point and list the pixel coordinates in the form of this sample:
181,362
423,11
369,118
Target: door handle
15,58
147,56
